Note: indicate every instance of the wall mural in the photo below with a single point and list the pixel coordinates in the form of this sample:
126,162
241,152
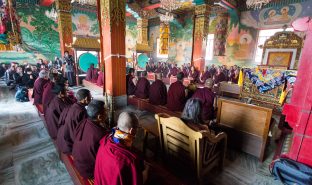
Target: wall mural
85,23
181,38
39,32
242,35
131,37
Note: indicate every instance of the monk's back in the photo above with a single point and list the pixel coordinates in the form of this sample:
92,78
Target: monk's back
176,96
158,93
142,88
115,165
38,90
207,97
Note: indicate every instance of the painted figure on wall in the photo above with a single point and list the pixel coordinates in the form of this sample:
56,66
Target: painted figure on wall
245,47
83,23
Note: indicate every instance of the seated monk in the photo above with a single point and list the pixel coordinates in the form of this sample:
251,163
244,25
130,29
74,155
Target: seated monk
142,87
47,95
55,108
116,161
91,73
219,76
191,115
205,75
177,94
235,76
87,140
69,120
207,98
130,82
38,87
173,71
194,75
158,91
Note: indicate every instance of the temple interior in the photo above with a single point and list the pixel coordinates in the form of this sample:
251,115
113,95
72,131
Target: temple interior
155,92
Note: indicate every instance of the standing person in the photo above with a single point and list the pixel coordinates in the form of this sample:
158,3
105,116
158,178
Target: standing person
87,140
116,161
194,75
177,94
2,70
70,119
28,78
39,87
69,68
9,75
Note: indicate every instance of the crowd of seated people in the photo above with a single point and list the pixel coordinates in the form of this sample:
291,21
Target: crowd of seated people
176,96
217,73
77,124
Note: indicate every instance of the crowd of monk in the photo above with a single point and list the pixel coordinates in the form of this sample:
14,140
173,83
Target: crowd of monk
107,156
176,96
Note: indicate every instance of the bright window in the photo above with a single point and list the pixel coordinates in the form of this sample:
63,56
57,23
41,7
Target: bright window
209,48
263,36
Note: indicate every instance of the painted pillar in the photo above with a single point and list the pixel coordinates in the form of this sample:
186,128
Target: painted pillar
220,34
64,8
164,31
298,111
201,23
142,25
101,56
113,33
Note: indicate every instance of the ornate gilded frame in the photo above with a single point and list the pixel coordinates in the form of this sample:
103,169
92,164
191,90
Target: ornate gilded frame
283,42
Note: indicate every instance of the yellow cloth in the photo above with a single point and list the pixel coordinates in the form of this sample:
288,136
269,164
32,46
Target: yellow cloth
282,98
241,78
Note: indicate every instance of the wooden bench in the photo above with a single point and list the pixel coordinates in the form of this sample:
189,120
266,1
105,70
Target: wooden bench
143,104
229,89
247,126
199,151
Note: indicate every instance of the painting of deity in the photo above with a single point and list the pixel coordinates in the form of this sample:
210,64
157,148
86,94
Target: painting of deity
85,24
279,59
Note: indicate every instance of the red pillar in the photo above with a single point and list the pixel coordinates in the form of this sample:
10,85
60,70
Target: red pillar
298,112
200,33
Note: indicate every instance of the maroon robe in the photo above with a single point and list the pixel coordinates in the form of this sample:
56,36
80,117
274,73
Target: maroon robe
158,93
194,75
53,113
38,90
185,71
165,72
219,78
176,96
117,165
100,79
205,76
159,69
142,88
47,95
92,74
68,123
234,79
130,86
86,145
207,97
173,72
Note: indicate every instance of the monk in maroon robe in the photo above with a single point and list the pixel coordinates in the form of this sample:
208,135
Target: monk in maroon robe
173,71
70,119
48,95
158,91
142,87
177,94
92,74
185,70
165,70
100,79
207,97
219,76
39,87
55,108
130,82
194,74
159,68
116,162
87,140
205,75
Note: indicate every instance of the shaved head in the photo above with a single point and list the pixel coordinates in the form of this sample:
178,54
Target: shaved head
82,94
126,121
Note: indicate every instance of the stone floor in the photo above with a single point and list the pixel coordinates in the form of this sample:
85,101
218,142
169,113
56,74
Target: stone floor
28,156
